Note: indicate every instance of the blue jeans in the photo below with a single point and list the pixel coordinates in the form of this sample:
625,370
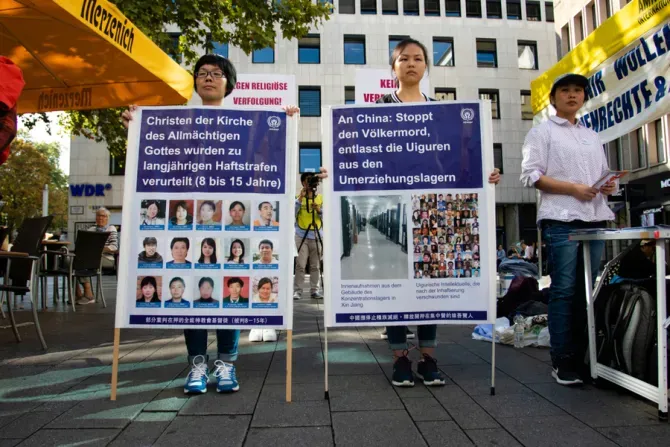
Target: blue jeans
567,297
397,336
226,343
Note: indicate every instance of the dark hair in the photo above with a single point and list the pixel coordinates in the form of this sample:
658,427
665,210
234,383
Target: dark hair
231,256
224,64
149,241
212,243
180,239
264,281
266,241
181,204
235,280
147,203
175,279
237,202
208,202
150,280
305,175
404,44
260,205
204,280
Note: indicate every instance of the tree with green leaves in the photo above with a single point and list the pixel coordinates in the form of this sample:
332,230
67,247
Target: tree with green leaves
29,167
248,24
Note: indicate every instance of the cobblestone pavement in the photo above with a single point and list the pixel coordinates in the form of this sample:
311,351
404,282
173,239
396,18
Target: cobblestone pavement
61,397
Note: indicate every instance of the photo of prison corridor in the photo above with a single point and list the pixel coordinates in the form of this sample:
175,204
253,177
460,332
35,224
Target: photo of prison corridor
374,238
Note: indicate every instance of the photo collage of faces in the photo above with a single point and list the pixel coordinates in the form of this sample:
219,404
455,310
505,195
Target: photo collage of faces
236,236
446,235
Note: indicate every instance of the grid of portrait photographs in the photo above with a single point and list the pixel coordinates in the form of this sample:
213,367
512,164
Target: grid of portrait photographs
208,253
207,292
445,232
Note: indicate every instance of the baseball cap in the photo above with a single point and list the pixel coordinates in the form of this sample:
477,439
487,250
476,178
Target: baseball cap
567,79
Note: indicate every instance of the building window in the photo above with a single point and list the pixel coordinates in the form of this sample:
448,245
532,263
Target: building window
493,96
661,141
431,8
445,94
487,56
263,56
332,2
638,149
390,7
309,49
613,151
350,95
498,156
527,55
526,106
347,6
493,9
172,47
219,48
310,157
594,17
354,50
473,8
368,6
393,42
443,52
514,9
410,7
549,11
309,100
452,8
533,11
623,148
117,166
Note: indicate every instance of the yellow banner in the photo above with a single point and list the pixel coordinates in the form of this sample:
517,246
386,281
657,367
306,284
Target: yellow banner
619,31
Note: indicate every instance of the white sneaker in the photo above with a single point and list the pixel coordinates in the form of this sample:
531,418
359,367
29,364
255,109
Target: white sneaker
256,335
297,295
269,335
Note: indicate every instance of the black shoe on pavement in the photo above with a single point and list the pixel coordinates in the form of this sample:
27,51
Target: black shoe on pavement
402,372
427,371
565,373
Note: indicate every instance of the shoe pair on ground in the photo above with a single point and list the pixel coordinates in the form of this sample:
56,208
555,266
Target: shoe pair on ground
426,370
315,295
198,377
258,335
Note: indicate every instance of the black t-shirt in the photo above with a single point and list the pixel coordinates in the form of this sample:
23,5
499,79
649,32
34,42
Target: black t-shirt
391,98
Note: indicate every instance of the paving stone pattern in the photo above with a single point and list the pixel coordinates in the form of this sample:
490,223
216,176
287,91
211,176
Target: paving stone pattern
61,397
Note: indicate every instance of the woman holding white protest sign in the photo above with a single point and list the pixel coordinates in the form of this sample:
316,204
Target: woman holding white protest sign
409,63
214,78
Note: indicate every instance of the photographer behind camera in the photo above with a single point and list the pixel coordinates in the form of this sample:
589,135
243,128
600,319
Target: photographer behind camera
308,239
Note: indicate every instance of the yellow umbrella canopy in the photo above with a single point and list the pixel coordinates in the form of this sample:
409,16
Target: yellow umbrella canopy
85,54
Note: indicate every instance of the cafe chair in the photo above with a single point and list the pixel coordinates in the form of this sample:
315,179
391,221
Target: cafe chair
84,262
19,269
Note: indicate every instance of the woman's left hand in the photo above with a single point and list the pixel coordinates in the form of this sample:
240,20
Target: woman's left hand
495,176
608,189
291,110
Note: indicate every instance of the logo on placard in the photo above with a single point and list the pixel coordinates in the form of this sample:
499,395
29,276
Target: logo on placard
274,122
468,115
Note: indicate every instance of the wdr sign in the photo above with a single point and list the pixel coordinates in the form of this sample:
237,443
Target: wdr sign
88,190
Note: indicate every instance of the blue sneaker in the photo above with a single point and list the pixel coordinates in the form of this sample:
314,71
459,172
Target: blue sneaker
196,381
402,372
427,371
226,381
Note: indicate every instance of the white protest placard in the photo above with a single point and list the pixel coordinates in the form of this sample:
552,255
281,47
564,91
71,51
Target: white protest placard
208,219
373,83
412,175
260,90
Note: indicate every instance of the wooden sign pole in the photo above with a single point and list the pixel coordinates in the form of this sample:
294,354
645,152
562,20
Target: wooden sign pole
115,362
289,364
